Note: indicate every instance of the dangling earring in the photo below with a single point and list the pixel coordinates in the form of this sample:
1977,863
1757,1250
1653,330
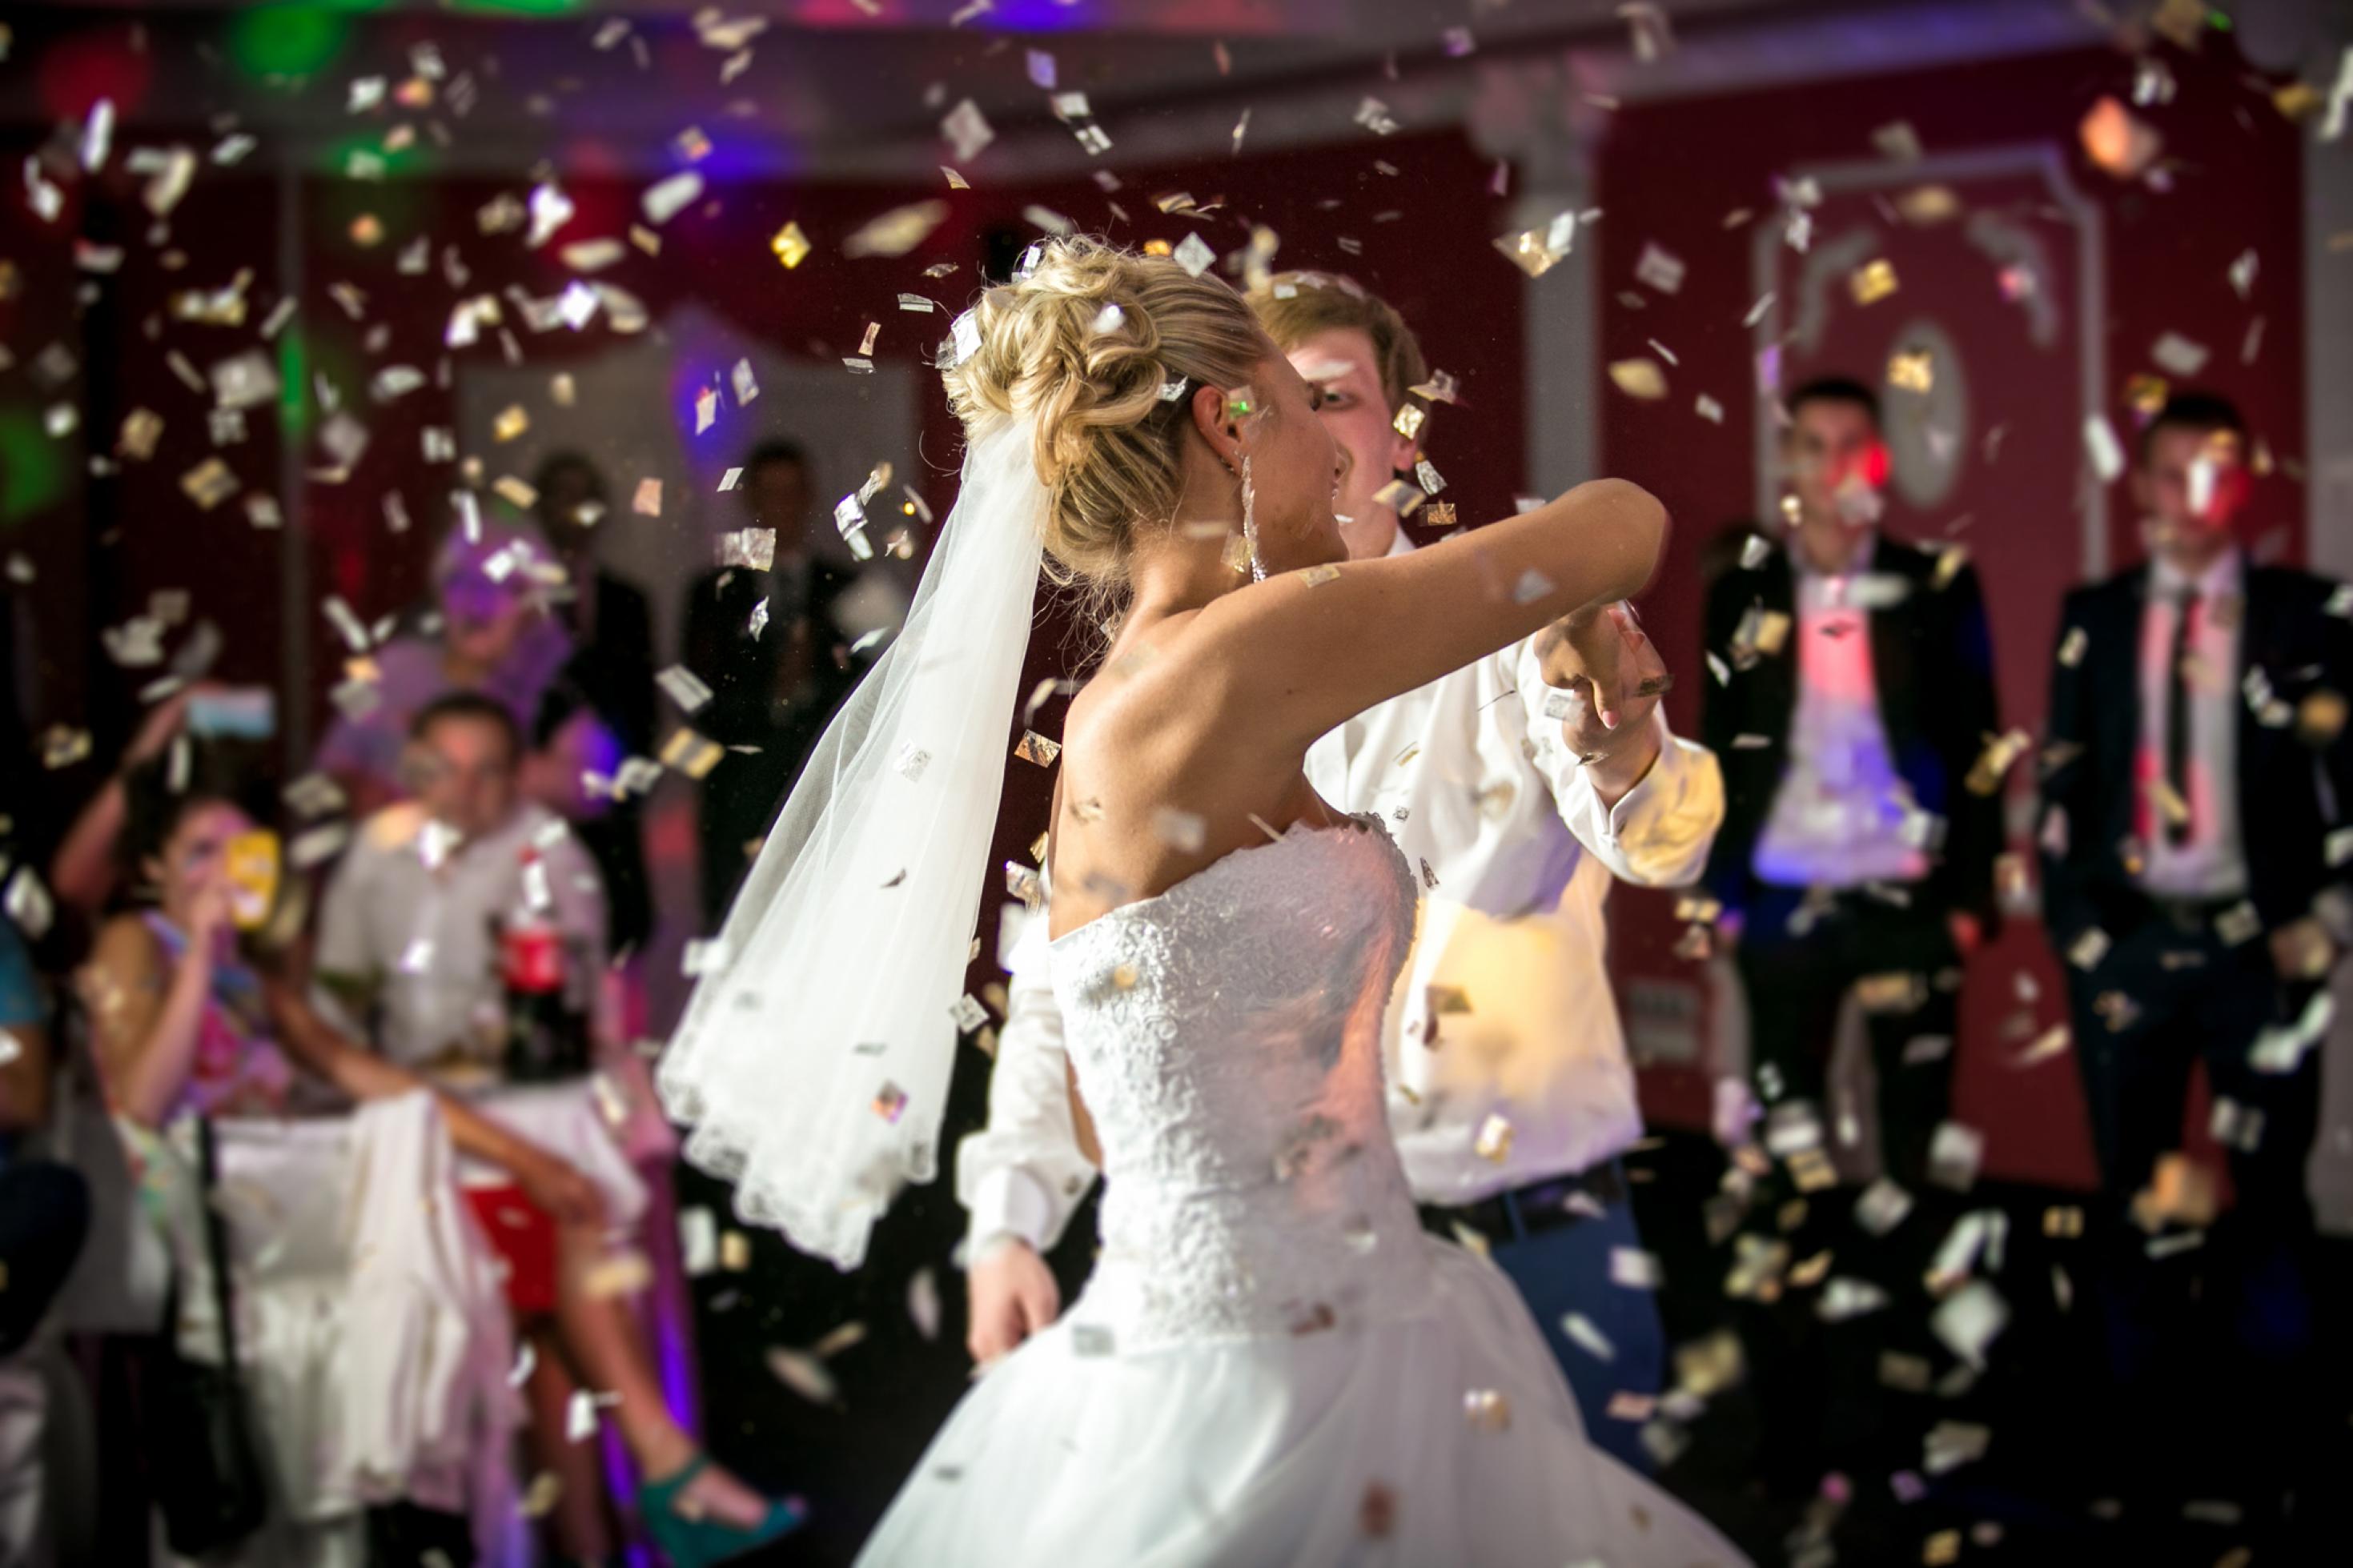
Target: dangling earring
1249,524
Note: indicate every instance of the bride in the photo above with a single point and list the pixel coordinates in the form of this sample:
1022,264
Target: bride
1273,1362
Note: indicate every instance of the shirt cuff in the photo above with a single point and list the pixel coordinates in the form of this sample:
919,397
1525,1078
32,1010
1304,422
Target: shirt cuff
1009,1201
1661,780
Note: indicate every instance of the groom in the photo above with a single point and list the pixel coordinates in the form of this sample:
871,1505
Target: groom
1509,1093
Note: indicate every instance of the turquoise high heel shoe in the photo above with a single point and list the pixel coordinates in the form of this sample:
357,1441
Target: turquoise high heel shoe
698,1543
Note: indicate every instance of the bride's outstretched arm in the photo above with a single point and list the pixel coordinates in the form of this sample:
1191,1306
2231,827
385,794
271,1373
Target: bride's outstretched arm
1309,649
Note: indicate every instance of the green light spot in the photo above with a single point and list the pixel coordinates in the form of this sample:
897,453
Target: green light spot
32,465
286,40
293,382
517,7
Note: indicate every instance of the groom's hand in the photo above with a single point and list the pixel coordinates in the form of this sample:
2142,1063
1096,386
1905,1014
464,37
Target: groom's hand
1012,1295
1615,677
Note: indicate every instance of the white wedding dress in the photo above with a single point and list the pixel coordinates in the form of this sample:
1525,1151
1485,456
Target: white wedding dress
1273,1363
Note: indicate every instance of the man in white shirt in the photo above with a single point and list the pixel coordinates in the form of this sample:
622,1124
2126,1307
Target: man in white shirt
1510,1091
2195,866
407,954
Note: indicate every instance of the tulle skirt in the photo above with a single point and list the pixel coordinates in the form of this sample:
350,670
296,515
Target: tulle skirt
1446,1437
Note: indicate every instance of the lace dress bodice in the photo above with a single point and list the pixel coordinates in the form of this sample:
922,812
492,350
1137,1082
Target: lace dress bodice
1226,1037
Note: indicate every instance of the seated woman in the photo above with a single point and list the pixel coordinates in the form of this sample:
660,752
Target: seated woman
183,1024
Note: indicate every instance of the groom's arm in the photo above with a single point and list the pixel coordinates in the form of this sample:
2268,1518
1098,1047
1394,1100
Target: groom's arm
1023,1174
1655,832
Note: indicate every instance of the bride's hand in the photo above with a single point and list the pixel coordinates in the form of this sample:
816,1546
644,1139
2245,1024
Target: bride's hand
1012,1296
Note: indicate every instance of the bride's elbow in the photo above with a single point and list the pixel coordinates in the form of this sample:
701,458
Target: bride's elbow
1629,525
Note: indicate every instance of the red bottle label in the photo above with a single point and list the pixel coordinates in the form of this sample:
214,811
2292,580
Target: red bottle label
533,958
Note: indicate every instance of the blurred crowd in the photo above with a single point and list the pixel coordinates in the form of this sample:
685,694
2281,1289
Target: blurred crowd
421,953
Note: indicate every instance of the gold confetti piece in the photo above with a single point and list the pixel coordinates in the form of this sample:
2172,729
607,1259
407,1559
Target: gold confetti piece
2062,1221
621,1274
1810,1171
540,1497
791,246
691,752
1538,250
62,747
1036,748
1943,1547
141,429
1706,1366
1949,562
1913,370
803,1373
839,1339
2053,1042
1409,418
1873,281
1640,378
2320,717
1493,1143
209,483
734,1251
1487,1410
1322,572
515,492
1993,764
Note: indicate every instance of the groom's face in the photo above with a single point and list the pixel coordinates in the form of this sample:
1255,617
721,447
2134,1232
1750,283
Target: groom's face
1340,361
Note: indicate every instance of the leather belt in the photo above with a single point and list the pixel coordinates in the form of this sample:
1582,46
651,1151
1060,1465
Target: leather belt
1547,1205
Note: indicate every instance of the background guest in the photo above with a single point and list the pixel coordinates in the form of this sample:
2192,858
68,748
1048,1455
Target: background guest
492,633
777,662
1856,693
183,1024
407,952
611,674
2198,770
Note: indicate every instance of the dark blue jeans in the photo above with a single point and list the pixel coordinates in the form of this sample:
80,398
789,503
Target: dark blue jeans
1566,1269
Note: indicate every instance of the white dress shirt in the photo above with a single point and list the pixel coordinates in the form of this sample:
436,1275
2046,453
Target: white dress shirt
2210,862
1516,853
426,933
1843,815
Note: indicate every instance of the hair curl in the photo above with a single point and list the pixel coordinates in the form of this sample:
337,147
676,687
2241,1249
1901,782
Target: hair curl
1109,447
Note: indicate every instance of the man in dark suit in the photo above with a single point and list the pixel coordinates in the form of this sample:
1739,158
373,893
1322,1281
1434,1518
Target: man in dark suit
2197,774
777,661
610,674
1853,696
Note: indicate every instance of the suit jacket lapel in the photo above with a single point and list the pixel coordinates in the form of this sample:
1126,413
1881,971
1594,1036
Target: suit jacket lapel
1776,674
1892,661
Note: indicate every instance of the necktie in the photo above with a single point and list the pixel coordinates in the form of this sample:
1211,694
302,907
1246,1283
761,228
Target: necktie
2177,715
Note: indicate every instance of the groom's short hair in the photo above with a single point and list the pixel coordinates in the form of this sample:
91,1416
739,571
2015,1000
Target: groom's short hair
1295,306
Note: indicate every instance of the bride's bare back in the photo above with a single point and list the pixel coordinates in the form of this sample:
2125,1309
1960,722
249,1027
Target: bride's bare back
1190,742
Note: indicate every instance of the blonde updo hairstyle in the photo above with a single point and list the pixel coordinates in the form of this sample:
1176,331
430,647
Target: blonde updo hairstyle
1109,446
